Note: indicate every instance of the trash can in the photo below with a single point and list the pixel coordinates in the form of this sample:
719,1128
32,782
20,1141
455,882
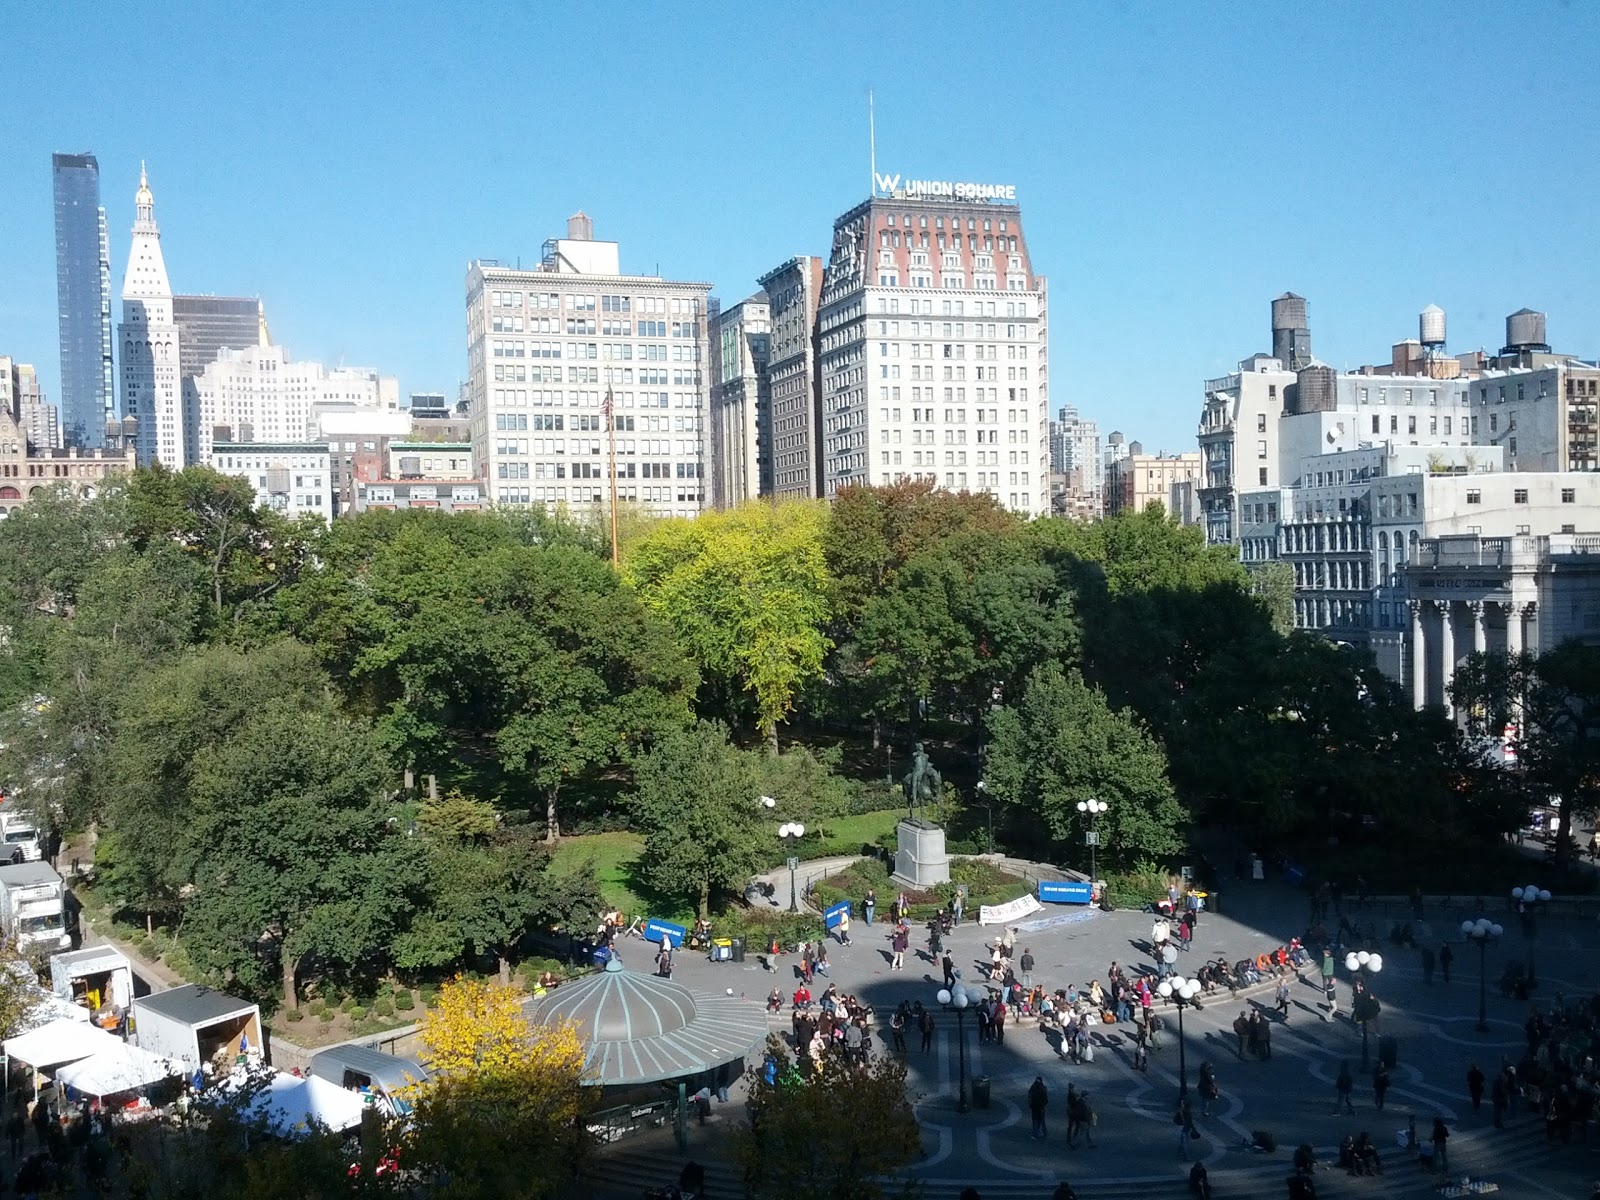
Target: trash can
721,949
1388,1052
738,949
980,1091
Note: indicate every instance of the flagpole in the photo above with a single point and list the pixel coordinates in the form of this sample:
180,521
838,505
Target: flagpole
611,430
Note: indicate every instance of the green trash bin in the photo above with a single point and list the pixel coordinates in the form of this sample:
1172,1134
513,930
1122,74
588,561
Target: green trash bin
980,1091
738,949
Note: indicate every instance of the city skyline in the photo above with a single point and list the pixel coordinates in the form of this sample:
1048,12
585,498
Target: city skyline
1165,217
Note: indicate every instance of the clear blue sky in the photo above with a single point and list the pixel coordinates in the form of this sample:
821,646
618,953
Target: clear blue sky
1178,165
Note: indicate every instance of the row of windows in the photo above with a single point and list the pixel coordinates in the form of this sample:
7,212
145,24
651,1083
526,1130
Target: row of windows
947,308
980,283
574,398
586,303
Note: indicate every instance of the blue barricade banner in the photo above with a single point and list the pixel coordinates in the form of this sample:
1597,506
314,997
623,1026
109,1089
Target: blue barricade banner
1054,892
655,930
830,916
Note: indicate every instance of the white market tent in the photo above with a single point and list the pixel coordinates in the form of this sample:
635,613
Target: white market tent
118,1068
60,1041
291,1104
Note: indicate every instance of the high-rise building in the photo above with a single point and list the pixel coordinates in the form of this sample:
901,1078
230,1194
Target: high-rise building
794,386
83,300
740,449
152,381
1076,462
545,348
39,420
210,324
932,335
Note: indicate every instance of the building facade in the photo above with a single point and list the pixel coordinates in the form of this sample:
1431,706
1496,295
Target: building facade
793,292
444,495
740,447
83,300
151,344
546,348
1077,469
40,420
1137,480
210,324
933,349
26,470
292,478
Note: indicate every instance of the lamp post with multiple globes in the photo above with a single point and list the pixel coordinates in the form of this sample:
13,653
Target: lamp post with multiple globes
1359,963
1092,809
1527,899
1482,932
1182,992
957,999
791,832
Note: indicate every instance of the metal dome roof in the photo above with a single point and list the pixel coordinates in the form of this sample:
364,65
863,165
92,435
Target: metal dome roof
642,1028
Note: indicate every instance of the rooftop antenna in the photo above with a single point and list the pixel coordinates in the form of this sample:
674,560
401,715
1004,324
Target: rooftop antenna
872,143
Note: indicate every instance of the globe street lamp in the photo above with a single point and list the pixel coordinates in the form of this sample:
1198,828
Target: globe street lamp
1182,992
792,831
1527,899
1360,963
1482,931
1093,809
956,999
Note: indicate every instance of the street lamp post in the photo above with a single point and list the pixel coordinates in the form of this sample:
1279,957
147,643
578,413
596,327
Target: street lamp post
1182,992
1482,931
792,832
988,808
1093,809
956,999
1527,899
1360,963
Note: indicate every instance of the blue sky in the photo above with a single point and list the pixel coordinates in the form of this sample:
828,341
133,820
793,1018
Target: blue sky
1178,165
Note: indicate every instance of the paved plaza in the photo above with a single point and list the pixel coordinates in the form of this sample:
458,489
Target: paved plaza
1137,1148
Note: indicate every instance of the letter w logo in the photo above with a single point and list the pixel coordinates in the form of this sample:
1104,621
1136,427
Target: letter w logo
888,183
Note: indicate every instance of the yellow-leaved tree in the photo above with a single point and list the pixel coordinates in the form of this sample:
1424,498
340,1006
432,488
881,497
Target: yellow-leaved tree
502,1113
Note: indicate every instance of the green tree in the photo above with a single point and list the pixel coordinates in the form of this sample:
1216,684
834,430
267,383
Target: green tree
747,591
1273,582
833,1133
1061,743
697,801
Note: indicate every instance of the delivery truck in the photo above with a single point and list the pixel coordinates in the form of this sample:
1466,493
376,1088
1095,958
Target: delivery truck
33,907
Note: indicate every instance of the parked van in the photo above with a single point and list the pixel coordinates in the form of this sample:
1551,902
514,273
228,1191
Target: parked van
20,836
382,1078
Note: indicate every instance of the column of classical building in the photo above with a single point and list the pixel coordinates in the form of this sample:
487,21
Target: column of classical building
1419,681
1513,628
1480,630
1447,655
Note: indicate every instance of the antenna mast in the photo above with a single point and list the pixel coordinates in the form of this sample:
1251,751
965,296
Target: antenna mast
872,141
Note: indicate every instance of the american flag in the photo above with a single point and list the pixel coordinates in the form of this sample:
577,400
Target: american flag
605,408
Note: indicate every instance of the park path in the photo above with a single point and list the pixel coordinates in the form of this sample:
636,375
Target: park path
807,874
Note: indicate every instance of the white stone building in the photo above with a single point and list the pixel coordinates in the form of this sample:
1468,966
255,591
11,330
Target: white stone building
293,478
544,349
152,386
740,450
793,292
933,348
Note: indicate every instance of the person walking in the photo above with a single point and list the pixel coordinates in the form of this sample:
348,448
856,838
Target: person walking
1380,1084
898,944
897,1028
1281,1001
1342,1087
844,928
1184,1120
957,906
1440,1138
998,1022
1086,1120
1475,1086
1074,1108
1446,957
1328,967
1038,1098
1208,1088
1027,967
1241,1028
949,967
870,904
927,1030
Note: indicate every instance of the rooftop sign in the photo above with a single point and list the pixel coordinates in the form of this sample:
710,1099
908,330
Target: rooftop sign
942,189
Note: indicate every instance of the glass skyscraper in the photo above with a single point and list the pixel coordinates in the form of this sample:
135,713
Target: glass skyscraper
83,301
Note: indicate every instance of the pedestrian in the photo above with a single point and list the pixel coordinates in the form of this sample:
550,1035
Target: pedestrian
897,1028
844,928
1241,1028
819,964
1184,1120
1446,957
854,1044
1441,1135
957,906
1038,1098
1332,994
664,959
1475,1086
927,1030
1008,941
949,967
1027,967
986,1021
1282,999
1500,1097
898,943
1380,1084
1343,1087
1208,1088
1264,1039
997,1021
870,904
1074,1108
1427,965
1328,969
1087,1118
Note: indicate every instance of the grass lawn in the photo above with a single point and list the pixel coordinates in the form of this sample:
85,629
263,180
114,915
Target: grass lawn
844,835
613,855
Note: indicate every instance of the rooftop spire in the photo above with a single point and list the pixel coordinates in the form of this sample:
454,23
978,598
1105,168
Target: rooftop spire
144,204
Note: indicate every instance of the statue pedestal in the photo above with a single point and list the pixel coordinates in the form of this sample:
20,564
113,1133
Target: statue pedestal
921,860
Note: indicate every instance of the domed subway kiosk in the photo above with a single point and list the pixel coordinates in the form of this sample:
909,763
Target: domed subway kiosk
640,1030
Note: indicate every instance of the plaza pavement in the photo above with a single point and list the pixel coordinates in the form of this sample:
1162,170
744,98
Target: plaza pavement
1291,1095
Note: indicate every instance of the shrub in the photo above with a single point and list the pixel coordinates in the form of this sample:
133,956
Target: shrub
294,1015
403,1001
1144,884
357,1013
325,1015
383,1007
349,1005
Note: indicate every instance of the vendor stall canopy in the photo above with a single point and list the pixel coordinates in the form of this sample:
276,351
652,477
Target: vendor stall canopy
645,1029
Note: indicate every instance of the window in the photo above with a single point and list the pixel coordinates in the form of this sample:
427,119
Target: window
1263,475
1261,422
1474,496
1569,495
1519,496
1377,423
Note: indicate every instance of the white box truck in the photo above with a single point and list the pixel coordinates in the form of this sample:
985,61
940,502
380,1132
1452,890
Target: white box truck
20,837
33,906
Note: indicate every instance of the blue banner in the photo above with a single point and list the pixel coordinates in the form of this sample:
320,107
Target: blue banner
830,916
1055,892
655,930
